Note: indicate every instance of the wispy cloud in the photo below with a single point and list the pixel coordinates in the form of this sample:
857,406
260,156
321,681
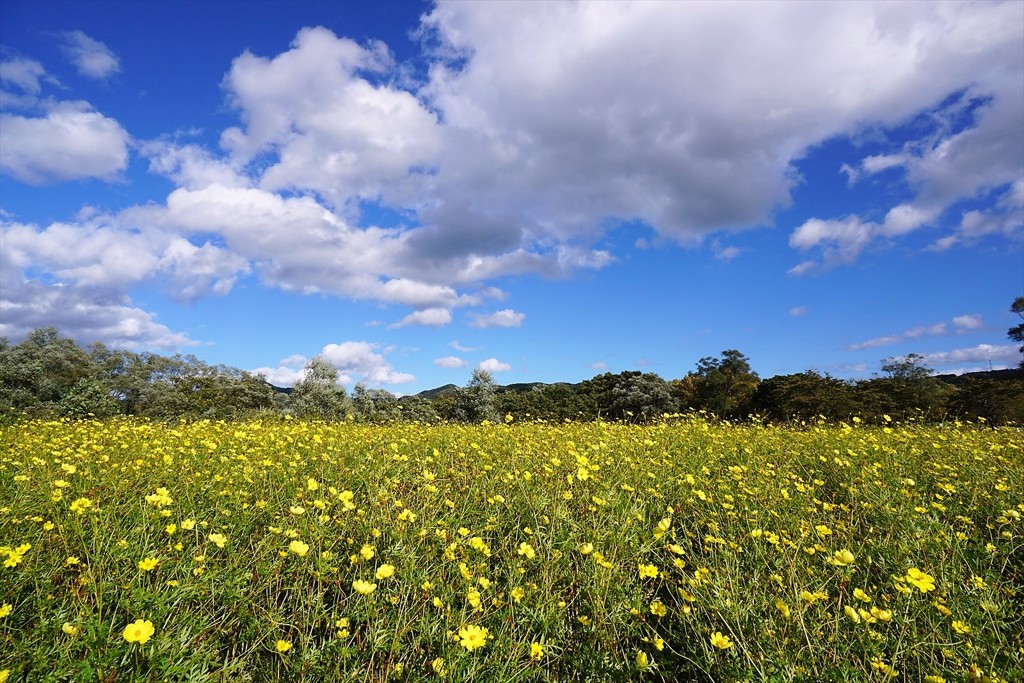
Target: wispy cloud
91,57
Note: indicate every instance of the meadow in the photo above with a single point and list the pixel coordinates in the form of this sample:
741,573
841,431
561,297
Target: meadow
689,549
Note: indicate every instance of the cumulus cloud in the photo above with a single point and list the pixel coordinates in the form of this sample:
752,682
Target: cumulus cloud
536,132
84,314
99,255
450,362
503,318
494,365
72,141
91,57
356,361
359,358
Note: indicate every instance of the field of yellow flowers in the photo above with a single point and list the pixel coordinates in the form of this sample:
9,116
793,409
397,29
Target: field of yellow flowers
685,550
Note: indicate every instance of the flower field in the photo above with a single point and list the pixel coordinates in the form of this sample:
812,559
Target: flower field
686,550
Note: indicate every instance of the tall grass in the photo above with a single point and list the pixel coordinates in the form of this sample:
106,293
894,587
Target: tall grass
686,550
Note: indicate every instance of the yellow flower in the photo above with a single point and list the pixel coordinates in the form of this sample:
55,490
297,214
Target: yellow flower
297,510
473,598
720,641
4,675
298,547
139,631
536,651
472,637
962,628
852,614
642,662
518,593
586,548
218,540
647,571
527,551
70,561
282,646
363,587
367,552
148,564
922,581
188,524
658,608
663,527
842,558
883,615
69,629
80,505
782,607
934,679
385,571
6,609
861,595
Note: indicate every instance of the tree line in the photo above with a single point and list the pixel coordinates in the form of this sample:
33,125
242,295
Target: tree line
47,375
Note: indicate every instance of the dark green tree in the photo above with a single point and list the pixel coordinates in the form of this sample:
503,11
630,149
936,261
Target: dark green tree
724,386
1016,333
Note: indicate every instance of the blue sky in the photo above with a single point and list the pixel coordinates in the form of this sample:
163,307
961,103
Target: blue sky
546,190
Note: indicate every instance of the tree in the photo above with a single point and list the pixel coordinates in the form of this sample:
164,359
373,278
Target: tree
318,394
804,396
907,388
476,401
374,405
1016,333
724,386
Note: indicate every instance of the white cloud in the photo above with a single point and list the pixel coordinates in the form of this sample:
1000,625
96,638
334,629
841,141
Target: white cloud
798,311
280,376
359,358
356,361
91,57
921,331
503,318
527,143
459,347
83,314
494,365
968,321
600,366
71,142
333,131
109,259
25,75
431,317
450,362
296,360
725,253
982,353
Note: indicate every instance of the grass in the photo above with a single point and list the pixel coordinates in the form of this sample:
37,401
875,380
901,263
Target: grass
686,550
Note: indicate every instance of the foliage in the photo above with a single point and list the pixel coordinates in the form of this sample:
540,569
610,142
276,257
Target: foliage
724,386
1016,333
285,550
318,394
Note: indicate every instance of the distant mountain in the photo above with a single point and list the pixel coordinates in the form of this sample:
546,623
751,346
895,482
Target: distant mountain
431,394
